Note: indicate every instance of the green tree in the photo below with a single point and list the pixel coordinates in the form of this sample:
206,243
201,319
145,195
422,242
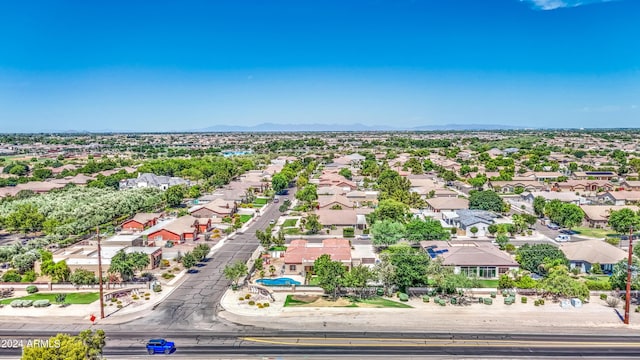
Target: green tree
410,265
25,218
531,257
622,220
390,209
11,276
506,282
358,277
235,271
539,205
386,274
25,261
87,345
307,194
189,260
330,274
279,182
618,278
502,241
486,200
478,181
346,173
83,277
126,264
61,272
174,195
387,232
428,229
313,224
558,282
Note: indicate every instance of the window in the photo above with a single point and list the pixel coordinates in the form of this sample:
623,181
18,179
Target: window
292,268
503,270
487,272
470,271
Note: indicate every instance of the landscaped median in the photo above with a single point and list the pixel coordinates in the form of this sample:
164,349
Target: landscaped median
321,301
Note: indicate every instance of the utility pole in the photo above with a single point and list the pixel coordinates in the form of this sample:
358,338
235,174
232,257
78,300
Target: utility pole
627,298
100,274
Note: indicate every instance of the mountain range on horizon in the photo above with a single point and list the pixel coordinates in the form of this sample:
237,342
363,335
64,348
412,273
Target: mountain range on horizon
273,127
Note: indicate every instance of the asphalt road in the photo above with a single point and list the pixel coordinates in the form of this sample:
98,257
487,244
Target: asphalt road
379,344
193,304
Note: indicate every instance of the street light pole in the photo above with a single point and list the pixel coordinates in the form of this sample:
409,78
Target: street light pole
627,298
100,274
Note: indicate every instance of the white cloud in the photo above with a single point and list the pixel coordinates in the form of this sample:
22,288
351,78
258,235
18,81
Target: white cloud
558,4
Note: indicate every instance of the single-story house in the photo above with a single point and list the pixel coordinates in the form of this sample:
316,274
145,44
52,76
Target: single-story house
141,221
343,218
566,197
630,185
473,259
440,204
300,254
598,215
620,197
596,175
584,254
334,201
466,219
216,208
511,186
583,185
178,230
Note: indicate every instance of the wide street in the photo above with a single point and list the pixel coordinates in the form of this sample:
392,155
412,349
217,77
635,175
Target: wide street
194,303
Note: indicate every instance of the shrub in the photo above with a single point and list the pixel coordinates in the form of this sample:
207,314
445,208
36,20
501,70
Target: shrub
41,303
248,296
259,306
488,301
32,289
164,263
266,304
637,309
241,298
536,303
603,296
168,276
146,298
541,301
114,299
613,301
426,298
493,294
157,288
523,299
598,284
119,302
176,269
403,297
60,298
119,306
252,302
147,294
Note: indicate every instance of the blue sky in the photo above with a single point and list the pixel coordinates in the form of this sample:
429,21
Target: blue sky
182,65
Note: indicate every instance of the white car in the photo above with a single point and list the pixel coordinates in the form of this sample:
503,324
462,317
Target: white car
563,238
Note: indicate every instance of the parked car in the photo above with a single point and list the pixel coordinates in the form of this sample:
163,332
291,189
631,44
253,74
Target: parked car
160,346
563,238
272,222
568,232
364,237
553,226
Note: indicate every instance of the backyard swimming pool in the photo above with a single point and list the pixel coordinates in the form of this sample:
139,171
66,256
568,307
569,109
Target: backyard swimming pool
278,282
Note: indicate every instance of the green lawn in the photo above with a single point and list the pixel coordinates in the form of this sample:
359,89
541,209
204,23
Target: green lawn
260,201
72,298
290,301
245,218
593,232
290,223
488,283
381,303
292,231
376,302
314,280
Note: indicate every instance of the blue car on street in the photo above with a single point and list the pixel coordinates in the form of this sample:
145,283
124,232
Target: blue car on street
160,346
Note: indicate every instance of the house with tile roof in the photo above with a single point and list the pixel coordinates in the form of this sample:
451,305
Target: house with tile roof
583,254
474,259
300,254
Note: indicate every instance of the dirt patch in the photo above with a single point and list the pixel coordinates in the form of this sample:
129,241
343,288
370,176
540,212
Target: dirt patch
305,298
319,301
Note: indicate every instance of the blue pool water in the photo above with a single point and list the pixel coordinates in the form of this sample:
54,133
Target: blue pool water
278,282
